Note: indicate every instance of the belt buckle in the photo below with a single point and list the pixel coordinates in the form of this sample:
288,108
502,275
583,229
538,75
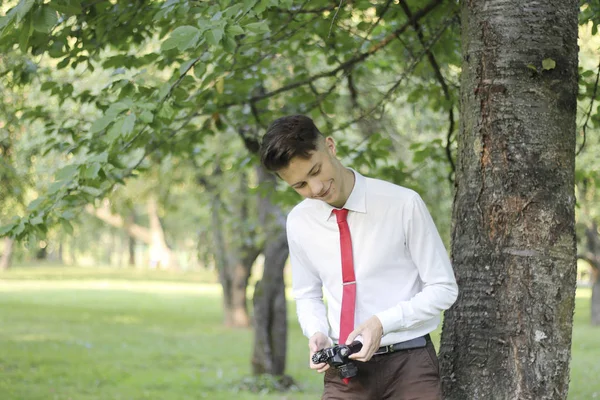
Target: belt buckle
386,349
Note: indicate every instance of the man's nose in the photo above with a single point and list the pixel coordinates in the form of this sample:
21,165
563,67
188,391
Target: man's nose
316,187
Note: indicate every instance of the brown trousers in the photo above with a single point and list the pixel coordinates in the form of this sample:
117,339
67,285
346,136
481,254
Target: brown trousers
404,375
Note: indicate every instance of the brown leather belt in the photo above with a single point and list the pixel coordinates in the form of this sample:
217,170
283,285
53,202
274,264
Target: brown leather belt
415,343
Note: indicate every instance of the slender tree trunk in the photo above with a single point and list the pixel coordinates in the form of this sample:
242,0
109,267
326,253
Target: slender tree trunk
59,255
131,239
592,256
509,334
221,259
595,296
131,247
160,254
270,313
7,253
234,261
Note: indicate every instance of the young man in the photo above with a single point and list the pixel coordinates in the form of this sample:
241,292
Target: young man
373,248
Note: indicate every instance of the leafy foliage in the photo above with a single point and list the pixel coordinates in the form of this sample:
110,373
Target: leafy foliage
146,80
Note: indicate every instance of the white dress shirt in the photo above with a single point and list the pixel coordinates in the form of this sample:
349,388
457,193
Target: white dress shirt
403,273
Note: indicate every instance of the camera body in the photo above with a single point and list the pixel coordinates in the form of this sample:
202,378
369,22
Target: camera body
337,357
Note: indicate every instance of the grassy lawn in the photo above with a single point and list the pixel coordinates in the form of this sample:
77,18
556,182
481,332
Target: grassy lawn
67,334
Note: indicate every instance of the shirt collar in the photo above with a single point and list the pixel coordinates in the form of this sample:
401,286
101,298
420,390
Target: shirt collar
357,201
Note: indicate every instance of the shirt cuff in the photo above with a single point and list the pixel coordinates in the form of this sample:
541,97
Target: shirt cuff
394,319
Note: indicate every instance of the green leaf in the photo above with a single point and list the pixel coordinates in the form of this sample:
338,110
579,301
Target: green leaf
185,66
235,30
164,90
182,37
232,11
258,27
56,186
4,229
199,70
26,32
63,63
67,172
44,19
229,44
35,203
129,124
92,190
23,8
90,171
166,111
115,130
146,117
101,158
69,7
100,124
48,85
37,220
5,20
66,226
214,35
548,64
117,108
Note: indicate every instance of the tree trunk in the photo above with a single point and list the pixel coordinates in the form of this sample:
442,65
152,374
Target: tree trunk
270,313
592,256
595,296
7,253
513,242
131,247
234,262
161,255
131,239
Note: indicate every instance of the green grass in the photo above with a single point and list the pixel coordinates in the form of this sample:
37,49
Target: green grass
69,336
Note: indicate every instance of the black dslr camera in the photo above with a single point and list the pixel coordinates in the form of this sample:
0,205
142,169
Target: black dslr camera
337,357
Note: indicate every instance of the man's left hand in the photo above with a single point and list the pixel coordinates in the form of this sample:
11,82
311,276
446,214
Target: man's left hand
371,332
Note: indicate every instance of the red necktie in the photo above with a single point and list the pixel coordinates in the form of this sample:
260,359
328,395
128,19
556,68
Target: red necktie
348,279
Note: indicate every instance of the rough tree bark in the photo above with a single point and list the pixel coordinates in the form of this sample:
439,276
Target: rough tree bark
270,313
509,334
6,258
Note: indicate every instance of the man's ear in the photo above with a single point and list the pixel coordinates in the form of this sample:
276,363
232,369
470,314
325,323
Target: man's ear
330,143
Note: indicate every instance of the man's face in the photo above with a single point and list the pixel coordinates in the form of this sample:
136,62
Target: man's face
320,177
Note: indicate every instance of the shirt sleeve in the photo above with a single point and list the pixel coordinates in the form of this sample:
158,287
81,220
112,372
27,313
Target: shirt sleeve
435,271
307,289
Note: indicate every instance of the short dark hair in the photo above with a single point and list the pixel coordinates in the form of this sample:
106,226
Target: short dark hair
286,138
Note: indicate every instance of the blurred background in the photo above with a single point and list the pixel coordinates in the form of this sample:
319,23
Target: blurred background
143,254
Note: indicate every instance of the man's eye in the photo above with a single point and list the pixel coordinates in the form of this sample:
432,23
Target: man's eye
317,172
301,185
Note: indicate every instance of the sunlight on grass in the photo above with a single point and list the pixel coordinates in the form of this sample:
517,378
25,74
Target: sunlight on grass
99,338
133,286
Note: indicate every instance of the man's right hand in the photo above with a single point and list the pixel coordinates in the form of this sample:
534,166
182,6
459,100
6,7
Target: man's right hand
317,342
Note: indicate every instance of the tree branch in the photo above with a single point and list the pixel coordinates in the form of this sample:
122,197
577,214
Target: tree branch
590,259
589,113
442,81
345,65
104,214
393,88
383,11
